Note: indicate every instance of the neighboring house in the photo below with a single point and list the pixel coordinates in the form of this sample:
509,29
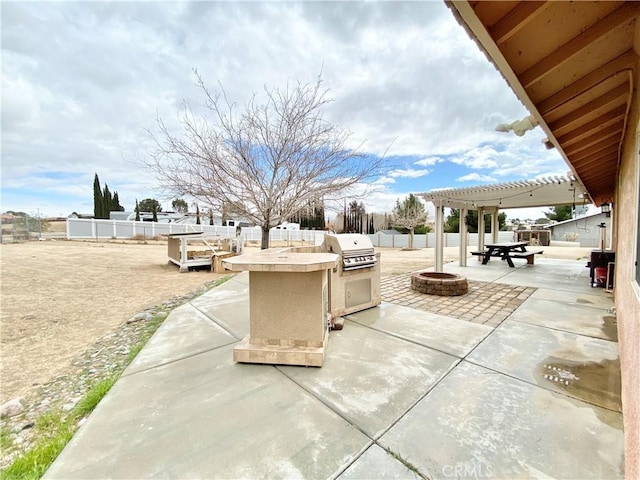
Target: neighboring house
163,217
576,67
287,226
584,230
122,215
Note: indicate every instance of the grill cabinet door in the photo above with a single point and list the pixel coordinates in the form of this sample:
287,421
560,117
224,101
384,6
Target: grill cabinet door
357,292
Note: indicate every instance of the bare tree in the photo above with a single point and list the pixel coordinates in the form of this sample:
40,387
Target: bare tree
265,161
409,214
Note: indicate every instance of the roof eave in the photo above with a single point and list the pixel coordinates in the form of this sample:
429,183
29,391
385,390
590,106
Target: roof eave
466,17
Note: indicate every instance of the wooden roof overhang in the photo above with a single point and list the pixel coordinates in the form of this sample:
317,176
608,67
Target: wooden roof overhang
573,65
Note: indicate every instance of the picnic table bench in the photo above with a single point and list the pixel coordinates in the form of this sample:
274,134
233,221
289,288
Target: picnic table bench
529,255
508,251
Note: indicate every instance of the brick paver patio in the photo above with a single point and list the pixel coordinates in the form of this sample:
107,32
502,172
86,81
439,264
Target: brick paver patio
486,303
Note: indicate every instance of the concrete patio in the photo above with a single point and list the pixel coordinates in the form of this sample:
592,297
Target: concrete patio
403,393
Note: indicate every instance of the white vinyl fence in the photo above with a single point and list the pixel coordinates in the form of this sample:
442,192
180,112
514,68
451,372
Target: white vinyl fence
80,228
429,240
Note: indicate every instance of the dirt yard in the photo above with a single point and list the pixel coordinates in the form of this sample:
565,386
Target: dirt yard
58,297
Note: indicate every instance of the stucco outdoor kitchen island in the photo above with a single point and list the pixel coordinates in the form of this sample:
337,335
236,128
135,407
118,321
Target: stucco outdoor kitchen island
288,305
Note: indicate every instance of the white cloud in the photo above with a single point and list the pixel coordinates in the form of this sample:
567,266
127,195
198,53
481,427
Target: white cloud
428,161
408,173
405,77
475,177
478,157
384,181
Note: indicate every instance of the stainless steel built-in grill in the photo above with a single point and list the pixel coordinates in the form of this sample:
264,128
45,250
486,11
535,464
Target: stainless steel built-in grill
356,251
355,285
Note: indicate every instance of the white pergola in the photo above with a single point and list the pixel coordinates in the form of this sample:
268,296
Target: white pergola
490,199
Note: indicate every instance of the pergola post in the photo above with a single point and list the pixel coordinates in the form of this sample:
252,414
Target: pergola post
439,236
480,231
495,225
463,236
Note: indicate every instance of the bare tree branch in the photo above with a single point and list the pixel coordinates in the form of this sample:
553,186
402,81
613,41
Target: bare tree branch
265,161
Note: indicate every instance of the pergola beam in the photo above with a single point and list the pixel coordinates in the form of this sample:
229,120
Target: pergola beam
491,199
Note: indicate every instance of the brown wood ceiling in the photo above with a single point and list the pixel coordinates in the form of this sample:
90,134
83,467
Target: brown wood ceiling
577,64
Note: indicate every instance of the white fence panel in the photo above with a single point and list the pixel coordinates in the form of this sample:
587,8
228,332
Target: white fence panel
80,228
429,240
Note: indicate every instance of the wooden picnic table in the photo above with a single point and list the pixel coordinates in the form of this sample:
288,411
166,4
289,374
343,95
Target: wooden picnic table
507,251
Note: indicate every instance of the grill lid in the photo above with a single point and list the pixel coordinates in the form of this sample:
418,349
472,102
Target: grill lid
356,250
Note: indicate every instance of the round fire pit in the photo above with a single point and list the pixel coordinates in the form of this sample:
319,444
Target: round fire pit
437,283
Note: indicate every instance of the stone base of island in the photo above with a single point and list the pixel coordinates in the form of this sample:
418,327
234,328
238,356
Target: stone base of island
288,305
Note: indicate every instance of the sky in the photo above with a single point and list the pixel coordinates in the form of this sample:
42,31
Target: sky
84,82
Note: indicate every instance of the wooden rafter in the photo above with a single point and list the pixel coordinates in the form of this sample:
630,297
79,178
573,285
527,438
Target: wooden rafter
597,174
597,164
601,149
602,176
607,132
612,117
576,115
513,21
597,76
627,11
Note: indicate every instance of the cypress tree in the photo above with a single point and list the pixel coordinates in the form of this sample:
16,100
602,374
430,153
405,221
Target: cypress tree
320,217
103,201
197,214
97,198
210,217
137,211
344,217
116,207
154,211
224,214
106,202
